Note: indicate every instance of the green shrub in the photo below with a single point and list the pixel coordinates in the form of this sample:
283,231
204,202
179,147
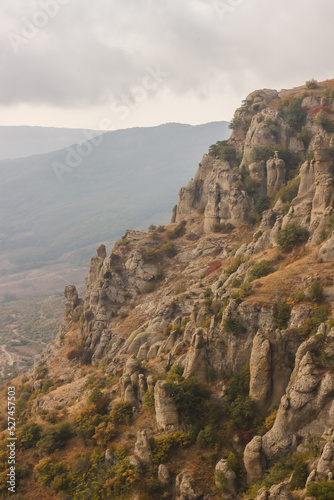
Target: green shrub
159,274
315,291
169,249
311,84
319,315
260,269
328,96
80,354
86,421
52,474
262,204
282,312
107,275
238,384
236,283
293,112
324,120
232,325
220,227
261,153
321,491
55,437
224,151
291,235
299,476
163,445
235,264
289,192
121,413
244,291
152,227
148,401
242,412
305,136
207,437
29,435
151,255
191,398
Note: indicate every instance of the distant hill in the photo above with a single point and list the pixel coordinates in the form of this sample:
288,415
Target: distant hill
18,142
130,180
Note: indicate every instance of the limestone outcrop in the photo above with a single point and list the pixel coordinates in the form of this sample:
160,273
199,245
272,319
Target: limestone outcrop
166,413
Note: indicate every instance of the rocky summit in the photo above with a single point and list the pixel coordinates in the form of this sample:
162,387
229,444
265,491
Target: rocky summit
200,363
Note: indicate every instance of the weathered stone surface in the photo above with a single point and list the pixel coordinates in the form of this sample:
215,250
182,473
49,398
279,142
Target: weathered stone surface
225,476
308,396
276,174
109,458
143,449
166,412
72,300
184,486
253,459
163,475
196,360
101,251
260,372
326,251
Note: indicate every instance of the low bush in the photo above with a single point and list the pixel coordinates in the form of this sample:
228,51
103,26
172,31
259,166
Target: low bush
207,437
220,227
148,401
163,445
52,474
232,325
168,249
260,269
235,264
311,84
55,437
319,315
291,235
80,354
29,435
244,291
299,476
321,491
121,413
315,292
282,312
324,120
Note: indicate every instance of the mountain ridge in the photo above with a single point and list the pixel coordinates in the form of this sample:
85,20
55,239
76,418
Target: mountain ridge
199,364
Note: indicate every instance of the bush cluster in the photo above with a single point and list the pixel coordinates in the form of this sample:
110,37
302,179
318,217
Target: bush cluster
260,269
291,235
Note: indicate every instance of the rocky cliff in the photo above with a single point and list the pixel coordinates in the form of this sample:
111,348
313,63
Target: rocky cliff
200,362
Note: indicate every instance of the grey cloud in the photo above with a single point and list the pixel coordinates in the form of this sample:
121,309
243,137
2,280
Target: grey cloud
92,52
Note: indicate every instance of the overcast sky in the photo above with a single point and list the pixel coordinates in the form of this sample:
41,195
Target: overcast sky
109,64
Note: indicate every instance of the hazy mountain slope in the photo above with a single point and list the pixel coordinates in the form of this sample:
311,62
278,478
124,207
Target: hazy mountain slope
132,178
21,141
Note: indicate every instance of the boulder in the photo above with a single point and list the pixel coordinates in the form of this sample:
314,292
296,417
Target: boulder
143,449
225,477
165,409
253,459
163,475
326,251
